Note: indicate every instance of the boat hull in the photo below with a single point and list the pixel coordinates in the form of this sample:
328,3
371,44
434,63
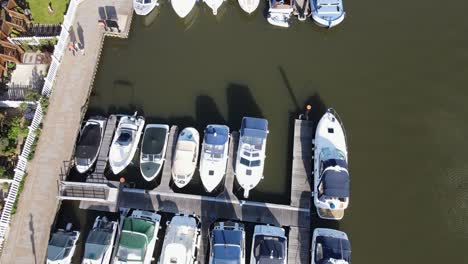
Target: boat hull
185,161
183,7
324,232
83,164
214,5
144,9
106,257
249,6
153,150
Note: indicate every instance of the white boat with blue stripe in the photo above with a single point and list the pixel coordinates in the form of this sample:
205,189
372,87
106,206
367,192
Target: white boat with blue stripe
327,13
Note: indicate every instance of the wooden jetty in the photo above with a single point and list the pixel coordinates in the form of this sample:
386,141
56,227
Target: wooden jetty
167,167
301,9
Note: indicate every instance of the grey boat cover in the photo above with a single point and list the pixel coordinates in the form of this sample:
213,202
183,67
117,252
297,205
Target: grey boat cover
335,182
333,248
269,250
227,246
89,142
154,140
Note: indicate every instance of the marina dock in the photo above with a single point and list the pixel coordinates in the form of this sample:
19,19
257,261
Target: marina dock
301,9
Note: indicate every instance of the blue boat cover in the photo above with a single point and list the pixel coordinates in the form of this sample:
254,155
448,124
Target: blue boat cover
254,127
223,237
216,135
335,248
336,183
227,246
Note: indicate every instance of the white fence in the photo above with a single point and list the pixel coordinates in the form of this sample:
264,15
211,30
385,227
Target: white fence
20,169
33,41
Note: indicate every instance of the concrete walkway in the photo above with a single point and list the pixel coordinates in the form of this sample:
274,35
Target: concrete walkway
30,229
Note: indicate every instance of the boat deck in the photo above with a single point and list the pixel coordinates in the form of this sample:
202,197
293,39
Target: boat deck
301,9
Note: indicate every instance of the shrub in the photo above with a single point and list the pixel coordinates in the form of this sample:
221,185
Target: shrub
32,96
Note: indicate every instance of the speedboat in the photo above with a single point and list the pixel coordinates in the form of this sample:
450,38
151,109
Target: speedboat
138,238
181,240
125,142
214,156
251,153
214,5
227,243
182,7
153,150
269,245
249,6
62,246
186,157
280,12
100,242
144,7
327,13
331,177
89,143
330,246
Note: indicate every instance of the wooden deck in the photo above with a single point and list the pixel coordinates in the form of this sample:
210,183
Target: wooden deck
167,167
301,9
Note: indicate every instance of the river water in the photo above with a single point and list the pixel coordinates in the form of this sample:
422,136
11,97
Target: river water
397,74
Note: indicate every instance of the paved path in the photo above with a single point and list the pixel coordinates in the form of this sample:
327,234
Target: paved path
30,228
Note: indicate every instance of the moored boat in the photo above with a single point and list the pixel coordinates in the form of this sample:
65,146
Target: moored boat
331,176
269,245
330,246
100,242
185,157
214,156
125,142
327,13
62,246
214,5
153,150
144,7
251,153
227,243
182,7
249,6
280,12
89,143
181,240
138,238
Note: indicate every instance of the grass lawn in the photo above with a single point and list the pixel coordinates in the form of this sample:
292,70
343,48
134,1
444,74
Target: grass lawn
40,11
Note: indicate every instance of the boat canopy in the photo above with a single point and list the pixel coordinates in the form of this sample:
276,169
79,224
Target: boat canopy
336,183
89,142
97,243
227,237
254,127
227,246
125,137
134,238
59,246
268,249
333,248
153,141
216,135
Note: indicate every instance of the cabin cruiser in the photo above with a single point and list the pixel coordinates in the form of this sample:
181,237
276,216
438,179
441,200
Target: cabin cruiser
100,242
327,13
181,240
62,246
144,7
249,6
330,246
214,156
280,12
227,243
138,238
251,153
331,177
153,150
186,157
182,7
214,5
89,143
125,142
269,245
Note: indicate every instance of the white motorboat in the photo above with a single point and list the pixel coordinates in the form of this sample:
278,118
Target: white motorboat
251,153
331,177
182,7
138,238
327,13
100,242
330,246
181,240
185,157
269,245
144,7
280,12
249,6
227,243
89,143
125,142
214,5
62,246
214,156
153,150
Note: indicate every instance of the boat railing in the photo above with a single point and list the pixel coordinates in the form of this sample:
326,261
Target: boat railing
338,118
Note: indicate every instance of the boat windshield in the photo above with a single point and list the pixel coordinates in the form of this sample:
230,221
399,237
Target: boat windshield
125,137
96,244
332,153
59,246
214,151
255,142
250,163
143,1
